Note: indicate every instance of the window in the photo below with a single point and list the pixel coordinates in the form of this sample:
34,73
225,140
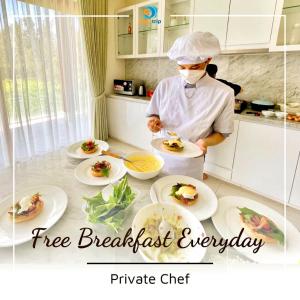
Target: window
50,106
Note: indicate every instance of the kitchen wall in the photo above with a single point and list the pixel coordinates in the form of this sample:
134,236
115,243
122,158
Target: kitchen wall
261,75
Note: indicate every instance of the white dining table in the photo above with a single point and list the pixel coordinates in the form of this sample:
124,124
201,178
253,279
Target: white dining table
57,169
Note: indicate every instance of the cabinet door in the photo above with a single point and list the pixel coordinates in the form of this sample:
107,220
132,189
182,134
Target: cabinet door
116,114
253,31
175,27
214,24
148,28
291,10
295,193
219,159
125,33
136,122
127,122
293,163
259,159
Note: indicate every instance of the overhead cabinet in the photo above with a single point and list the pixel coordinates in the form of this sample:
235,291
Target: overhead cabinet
250,24
286,30
212,16
151,27
176,21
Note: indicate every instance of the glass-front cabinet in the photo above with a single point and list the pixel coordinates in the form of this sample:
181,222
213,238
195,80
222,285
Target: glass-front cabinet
148,28
291,9
177,21
125,33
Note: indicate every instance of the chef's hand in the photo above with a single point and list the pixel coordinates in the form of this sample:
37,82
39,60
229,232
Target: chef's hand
202,145
155,124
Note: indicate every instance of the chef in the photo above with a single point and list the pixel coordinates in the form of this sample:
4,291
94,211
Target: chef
197,107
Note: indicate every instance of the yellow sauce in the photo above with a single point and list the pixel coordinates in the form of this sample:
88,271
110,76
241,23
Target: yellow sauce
143,163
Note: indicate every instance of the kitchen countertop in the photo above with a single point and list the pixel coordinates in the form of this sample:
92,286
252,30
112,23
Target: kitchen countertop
57,169
242,117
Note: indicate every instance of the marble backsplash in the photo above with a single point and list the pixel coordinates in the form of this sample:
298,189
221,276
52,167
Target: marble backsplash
261,75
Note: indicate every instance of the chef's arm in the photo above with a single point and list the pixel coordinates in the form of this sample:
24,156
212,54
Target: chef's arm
214,139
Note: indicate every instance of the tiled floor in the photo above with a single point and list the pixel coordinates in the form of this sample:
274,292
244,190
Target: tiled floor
222,188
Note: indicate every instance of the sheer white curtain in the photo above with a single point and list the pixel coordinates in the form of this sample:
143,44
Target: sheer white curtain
52,95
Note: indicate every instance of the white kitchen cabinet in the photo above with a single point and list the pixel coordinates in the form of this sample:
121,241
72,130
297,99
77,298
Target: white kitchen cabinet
174,27
259,159
125,31
127,122
139,34
219,159
216,24
250,31
293,163
295,192
291,9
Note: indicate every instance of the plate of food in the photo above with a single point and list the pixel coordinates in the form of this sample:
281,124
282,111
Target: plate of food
177,147
100,170
188,192
37,206
154,218
87,149
260,222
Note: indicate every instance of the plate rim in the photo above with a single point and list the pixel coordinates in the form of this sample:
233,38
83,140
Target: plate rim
93,158
58,218
72,155
175,153
202,183
246,254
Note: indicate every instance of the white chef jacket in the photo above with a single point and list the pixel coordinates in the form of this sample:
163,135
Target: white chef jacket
193,113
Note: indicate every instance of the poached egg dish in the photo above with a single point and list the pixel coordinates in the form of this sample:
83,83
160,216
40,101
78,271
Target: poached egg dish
184,193
27,208
173,145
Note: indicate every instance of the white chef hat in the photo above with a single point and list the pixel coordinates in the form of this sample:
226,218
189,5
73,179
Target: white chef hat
194,48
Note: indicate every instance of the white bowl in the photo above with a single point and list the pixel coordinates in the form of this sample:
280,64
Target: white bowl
190,254
280,114
268,113
145,175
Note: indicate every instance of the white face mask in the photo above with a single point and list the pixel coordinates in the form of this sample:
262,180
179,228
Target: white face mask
191,76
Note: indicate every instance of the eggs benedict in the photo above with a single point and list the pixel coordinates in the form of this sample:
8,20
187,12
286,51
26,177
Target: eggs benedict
27,208
173,145
184,193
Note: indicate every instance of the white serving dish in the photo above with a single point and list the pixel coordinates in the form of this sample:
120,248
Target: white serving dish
145,175
268,113
190,150
55,204
227,222
280,114
189,254
84,175
206,204
74,150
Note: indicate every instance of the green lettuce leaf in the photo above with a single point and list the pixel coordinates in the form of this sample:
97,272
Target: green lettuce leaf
111,212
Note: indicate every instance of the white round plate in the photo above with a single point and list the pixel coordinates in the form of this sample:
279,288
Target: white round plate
227,222
55,204
84,175
75,151
206,204
190,150
188,254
